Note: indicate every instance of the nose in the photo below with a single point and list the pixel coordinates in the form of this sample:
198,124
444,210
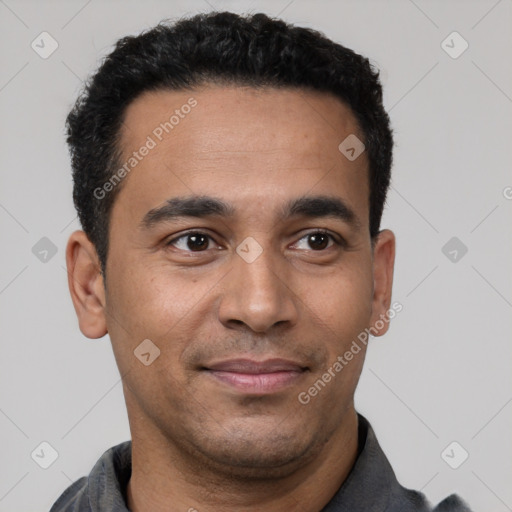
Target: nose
256,294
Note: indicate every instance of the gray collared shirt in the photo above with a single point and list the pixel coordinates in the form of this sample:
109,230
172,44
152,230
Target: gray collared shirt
371,485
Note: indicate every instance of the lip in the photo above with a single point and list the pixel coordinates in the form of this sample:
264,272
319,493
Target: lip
257,377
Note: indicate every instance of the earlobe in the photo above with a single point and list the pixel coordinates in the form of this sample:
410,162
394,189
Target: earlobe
86,285
383,265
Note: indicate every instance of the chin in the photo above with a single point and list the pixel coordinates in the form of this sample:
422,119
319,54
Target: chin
244,451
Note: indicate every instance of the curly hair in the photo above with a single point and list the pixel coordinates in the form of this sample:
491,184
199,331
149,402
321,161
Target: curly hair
253,50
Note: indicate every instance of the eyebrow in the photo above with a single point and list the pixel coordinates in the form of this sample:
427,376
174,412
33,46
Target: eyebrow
192,206
321,207
205,206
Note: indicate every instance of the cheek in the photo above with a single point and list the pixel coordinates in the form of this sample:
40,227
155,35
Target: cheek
170,308
153,300
156,306
342,302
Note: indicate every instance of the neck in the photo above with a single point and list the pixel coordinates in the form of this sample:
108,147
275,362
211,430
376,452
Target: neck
162,476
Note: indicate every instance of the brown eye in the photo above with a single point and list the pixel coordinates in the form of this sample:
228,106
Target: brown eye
318,241
195,242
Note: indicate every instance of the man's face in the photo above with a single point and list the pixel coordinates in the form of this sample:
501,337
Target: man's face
226,253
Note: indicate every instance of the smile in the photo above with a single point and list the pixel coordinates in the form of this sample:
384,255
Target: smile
257,377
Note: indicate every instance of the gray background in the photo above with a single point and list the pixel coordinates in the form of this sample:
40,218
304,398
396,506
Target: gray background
441,374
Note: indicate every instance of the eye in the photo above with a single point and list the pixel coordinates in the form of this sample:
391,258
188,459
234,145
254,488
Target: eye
316,241
192,242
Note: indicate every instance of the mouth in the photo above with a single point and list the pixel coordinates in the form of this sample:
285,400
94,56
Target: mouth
257,377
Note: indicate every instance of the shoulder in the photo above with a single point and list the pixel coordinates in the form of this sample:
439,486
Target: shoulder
103,488
452,504
375,475
73,499
411,500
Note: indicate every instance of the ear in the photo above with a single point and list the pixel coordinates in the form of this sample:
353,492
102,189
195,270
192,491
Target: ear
86,285
383,263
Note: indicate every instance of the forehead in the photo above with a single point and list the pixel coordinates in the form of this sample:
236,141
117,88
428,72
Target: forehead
240,142
289,114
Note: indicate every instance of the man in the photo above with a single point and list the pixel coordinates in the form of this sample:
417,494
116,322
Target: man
230,175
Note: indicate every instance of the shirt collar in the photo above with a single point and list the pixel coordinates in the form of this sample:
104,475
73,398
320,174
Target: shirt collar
370,486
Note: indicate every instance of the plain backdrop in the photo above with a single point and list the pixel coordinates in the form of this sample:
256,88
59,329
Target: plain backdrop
442,374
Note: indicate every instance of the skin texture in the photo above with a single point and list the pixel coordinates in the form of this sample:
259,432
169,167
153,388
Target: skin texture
197,441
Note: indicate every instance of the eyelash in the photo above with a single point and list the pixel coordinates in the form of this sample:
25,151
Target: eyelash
340,243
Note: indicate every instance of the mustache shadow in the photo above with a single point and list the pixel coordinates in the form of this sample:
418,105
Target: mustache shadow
308,354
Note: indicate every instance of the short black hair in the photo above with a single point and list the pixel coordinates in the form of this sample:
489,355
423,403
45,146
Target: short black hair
253,50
